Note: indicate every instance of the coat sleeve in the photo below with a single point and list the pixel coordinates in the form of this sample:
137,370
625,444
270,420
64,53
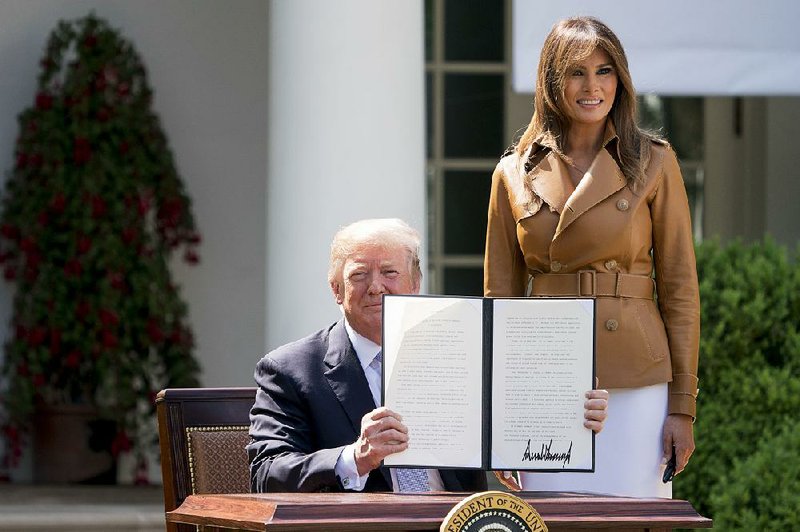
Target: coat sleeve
504,271
676,281
281,453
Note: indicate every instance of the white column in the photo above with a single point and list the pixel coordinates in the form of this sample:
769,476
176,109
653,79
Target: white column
346,141
783,170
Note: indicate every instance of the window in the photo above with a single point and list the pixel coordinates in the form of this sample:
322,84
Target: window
472,116
467,83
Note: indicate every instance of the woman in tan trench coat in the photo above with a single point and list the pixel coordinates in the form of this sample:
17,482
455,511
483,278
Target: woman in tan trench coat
587,204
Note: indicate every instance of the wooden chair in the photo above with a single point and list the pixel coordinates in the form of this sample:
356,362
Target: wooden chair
203,433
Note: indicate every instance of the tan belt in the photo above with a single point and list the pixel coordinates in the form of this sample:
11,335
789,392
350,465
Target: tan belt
589,283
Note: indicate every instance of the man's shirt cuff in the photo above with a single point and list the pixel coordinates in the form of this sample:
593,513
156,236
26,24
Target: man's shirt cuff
347,472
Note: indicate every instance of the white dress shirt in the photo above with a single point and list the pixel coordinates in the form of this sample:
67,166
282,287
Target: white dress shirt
345,467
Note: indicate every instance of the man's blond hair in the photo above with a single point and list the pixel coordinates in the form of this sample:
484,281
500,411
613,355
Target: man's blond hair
391,233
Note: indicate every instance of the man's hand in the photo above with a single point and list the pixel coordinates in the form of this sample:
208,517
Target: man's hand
382,434
678,432
595,409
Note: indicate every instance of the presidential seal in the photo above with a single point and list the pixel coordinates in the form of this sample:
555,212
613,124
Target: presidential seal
493,511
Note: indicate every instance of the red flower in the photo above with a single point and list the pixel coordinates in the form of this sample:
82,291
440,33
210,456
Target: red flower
55,341
109,340
154,331
84,244
42,219
43,101
37,336
22,369
82,150
99,207
28,245
194,238
104,114
124,147
34,258
117,280
143,205
90,40
38,380
9,231
12,433
170,212
31,274
73,359
129,234
59,203
36,160
82,309
121,443
108,318
73,268
191,257
123,89
141,478
22,160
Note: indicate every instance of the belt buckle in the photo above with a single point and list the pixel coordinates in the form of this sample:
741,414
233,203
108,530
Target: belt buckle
593,275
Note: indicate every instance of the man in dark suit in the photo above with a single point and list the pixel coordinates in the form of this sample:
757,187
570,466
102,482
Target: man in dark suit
316,424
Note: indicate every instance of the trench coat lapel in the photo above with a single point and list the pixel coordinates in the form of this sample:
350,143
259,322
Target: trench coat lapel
603,179
550,181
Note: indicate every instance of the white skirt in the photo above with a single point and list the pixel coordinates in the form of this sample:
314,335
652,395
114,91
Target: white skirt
628,451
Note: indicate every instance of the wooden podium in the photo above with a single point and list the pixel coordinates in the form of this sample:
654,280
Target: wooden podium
345,512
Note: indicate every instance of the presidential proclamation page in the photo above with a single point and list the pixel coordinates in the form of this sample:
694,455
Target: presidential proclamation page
542,365
433,372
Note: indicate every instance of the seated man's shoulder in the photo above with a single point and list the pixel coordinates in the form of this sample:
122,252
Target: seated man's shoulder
303,351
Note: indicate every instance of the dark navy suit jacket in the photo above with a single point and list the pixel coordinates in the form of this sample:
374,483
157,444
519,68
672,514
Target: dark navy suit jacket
311,397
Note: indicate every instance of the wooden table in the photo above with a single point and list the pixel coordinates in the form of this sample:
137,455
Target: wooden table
344,512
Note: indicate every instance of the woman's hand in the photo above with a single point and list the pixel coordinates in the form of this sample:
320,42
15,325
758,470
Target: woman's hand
678,432
595,409
508,479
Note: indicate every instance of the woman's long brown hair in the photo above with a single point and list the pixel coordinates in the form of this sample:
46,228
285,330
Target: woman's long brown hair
572,40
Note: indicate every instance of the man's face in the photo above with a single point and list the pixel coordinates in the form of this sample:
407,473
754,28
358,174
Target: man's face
367,274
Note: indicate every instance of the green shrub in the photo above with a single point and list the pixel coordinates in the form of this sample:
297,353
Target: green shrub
749,365
750,307
761,492
753,402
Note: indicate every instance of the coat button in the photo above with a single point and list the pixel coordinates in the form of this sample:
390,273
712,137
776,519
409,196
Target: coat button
622,205
612,324
611,264
555,266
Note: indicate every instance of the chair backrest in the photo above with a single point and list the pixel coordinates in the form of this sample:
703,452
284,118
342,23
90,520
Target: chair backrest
203,433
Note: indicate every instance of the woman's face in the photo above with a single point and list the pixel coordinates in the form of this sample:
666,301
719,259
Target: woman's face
590,88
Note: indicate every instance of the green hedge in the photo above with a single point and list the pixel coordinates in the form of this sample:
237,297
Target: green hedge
749,383
761,493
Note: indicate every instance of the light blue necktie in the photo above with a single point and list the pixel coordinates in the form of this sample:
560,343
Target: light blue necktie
408,480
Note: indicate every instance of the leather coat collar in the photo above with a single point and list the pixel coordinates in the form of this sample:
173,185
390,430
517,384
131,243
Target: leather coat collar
550,180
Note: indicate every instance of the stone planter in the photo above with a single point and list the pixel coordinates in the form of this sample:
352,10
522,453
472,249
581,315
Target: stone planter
71,444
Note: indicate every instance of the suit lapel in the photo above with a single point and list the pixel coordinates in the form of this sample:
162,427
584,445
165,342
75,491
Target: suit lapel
347,380
603,179
346,377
